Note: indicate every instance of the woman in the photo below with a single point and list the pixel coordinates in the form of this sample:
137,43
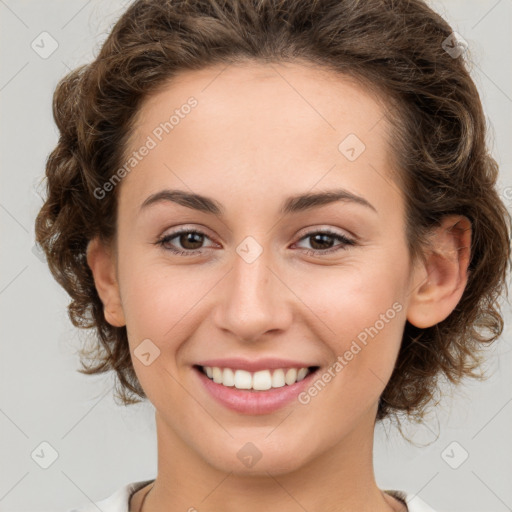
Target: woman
280,217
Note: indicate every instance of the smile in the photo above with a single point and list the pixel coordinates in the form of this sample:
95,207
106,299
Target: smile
260,391
257,381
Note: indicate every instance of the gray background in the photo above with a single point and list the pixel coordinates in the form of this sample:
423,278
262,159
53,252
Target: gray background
101,446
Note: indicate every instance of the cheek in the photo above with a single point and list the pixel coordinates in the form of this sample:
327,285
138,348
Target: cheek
159,299
348,299
360,314
158,302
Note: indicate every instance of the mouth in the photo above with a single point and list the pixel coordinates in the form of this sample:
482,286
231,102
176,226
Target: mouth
258,381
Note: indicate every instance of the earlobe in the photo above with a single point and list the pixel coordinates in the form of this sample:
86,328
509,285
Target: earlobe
101,261
439,282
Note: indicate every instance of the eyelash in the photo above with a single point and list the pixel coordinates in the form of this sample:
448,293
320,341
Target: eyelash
315,252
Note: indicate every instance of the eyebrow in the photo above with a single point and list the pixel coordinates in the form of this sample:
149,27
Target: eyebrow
294,204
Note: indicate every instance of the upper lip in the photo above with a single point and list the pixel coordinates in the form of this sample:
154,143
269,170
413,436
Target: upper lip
268,363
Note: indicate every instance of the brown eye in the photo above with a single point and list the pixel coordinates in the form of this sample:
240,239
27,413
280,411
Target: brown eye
189,240
322,242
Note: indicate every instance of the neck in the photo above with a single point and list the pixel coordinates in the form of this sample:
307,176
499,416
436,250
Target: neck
341,479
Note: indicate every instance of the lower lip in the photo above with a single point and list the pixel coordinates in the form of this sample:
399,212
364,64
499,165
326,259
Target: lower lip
254,402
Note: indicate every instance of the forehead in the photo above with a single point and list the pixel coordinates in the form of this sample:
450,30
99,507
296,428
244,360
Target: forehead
265,126
275,94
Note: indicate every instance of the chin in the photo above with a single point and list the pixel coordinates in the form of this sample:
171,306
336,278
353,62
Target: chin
259,457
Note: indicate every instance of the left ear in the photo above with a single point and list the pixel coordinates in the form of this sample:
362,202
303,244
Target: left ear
440,280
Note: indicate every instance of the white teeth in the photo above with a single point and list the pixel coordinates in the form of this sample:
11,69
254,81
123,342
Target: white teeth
217,375
301,374
243,379
228,377
278,379
291,376
259,381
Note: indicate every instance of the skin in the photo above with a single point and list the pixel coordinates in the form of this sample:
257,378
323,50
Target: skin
261,133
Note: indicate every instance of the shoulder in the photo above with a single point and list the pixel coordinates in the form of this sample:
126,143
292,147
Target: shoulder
413,502
117,502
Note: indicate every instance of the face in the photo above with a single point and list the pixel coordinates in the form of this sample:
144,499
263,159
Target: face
259,281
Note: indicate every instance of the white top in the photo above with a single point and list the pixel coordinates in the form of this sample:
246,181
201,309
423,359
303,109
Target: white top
119,501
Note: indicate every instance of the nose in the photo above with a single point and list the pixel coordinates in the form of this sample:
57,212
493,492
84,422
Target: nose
253,300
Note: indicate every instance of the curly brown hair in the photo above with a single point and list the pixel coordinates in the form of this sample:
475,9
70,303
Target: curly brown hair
393,47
